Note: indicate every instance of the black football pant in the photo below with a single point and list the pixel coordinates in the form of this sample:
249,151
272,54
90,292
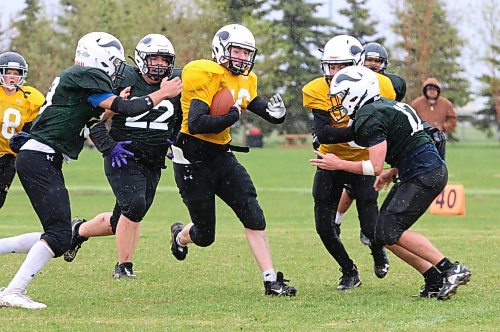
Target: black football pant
226,178
134,186
327,190
42,178
406,202
7,173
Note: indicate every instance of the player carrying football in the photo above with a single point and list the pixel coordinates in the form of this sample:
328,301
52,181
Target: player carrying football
204,165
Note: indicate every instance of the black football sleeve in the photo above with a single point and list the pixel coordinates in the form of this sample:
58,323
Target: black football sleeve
103,142
326,134
200,122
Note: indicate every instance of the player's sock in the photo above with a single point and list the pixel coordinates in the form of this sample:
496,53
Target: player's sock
19,244
444,264
338,218
432,276
269,275
39,255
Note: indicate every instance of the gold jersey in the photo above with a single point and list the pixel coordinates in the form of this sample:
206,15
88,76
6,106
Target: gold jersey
15,112
202,79
315,96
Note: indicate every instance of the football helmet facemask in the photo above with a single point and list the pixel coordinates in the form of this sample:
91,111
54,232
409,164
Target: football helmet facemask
12,60
377,52
340,49
353,87
156,45
238,36
104,51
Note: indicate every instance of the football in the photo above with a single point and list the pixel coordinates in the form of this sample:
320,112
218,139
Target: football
221,102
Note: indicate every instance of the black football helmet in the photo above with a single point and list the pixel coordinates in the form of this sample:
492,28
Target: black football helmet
378,52
13,60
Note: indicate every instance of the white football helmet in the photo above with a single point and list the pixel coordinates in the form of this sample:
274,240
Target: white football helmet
155,44
234,35
340,49
352,87
101,50
12,60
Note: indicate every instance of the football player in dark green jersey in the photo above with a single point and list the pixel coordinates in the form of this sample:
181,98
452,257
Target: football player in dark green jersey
75,101
394,133
146,138
376,58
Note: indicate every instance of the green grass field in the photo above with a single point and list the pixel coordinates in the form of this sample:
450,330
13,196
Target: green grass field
220,287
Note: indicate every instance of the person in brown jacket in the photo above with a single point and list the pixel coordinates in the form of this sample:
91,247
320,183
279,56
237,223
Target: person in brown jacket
437,110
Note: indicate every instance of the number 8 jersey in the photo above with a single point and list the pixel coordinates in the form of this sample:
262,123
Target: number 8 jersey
15,111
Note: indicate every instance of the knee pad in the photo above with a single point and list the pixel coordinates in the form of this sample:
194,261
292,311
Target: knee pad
386,232
202,236
254,219
136,209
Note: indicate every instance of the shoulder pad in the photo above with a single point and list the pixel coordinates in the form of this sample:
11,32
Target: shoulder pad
131,75
88,78
386,87
315,94
176,72
200,73
35,97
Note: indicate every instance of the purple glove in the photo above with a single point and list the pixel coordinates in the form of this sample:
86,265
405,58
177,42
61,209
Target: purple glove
119,154
170,155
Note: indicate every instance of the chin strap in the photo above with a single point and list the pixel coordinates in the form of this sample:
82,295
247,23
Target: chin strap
25,93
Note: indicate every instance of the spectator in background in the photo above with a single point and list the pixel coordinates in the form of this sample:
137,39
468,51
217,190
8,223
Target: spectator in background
437,110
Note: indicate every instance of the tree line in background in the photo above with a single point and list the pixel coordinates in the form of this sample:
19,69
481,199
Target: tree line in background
287,33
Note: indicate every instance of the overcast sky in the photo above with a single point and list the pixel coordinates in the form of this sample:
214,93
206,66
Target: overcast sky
466,14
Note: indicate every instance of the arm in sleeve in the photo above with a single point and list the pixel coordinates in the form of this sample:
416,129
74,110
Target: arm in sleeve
200,122
259,107
327,134
451,119
103,142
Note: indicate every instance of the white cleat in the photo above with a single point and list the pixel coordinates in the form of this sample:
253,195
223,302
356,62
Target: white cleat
20,301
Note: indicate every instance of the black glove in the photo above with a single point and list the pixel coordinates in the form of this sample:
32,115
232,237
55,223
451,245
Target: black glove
18,140
438,137
315,141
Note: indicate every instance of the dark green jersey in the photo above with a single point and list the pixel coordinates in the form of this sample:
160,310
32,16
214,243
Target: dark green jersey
66,116
395,122
399,85
149,131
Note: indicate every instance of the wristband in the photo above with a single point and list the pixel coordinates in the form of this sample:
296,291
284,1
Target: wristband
367,167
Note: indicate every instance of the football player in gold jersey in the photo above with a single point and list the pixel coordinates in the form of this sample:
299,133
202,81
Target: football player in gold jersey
19,106
204,165
331,125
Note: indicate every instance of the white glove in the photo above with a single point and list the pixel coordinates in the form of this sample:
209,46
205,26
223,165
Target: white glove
276,107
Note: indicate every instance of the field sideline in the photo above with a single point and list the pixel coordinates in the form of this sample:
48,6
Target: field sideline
220,287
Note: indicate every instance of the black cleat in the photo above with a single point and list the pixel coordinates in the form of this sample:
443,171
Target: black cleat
76,240
349,279
179,252
124,270
279,287
380,261
455,276
430,290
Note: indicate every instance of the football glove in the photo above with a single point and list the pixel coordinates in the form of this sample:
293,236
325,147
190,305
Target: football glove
438,137
119,154
315,141
276,107
18,140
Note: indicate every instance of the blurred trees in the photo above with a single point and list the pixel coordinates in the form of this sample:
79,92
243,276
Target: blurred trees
490,80
431,47
287,33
